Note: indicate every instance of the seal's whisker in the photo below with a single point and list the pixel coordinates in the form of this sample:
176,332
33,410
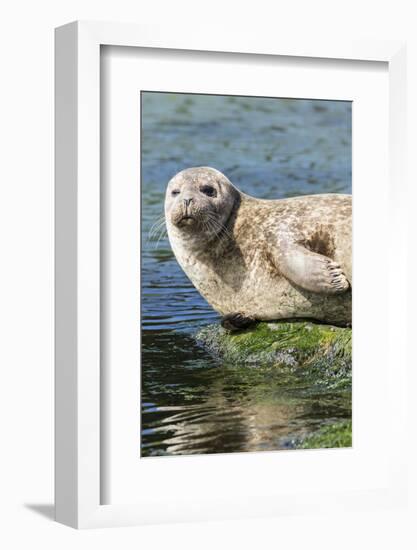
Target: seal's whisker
212,227
157,232
163,233
219,226
156,228
214,218
159,221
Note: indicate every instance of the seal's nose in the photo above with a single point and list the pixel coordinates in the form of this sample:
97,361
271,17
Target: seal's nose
187,203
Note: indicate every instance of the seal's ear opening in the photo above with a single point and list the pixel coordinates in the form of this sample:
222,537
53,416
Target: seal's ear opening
230,220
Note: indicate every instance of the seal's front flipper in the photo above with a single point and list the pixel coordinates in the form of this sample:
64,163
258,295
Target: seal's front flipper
312,271
237,321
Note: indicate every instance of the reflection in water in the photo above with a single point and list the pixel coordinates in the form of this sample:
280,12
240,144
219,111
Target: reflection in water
192,403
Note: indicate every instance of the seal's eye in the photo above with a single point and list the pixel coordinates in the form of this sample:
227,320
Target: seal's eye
175,192
208,190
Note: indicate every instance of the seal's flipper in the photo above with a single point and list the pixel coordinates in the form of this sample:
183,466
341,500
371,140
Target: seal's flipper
237,321
312,271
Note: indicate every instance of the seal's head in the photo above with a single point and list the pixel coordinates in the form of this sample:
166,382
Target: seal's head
199,201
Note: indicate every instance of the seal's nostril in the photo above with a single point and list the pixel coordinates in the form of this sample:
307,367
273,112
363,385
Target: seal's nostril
187,201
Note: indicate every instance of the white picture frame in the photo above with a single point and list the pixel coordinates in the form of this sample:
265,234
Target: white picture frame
78,321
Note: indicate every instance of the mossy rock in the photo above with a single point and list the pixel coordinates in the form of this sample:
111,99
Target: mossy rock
333,436
323,352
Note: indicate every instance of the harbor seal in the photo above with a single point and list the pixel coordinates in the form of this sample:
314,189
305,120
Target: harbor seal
255,259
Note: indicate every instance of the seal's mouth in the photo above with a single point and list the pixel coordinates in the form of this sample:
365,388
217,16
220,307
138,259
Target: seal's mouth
186,220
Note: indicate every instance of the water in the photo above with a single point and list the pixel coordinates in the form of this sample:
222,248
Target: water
269,148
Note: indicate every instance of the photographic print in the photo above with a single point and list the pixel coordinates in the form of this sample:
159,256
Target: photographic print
246,274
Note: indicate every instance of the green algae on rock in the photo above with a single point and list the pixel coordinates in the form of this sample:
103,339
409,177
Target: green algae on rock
332,436
322,352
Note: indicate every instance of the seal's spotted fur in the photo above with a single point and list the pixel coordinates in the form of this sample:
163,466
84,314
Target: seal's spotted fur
261,259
